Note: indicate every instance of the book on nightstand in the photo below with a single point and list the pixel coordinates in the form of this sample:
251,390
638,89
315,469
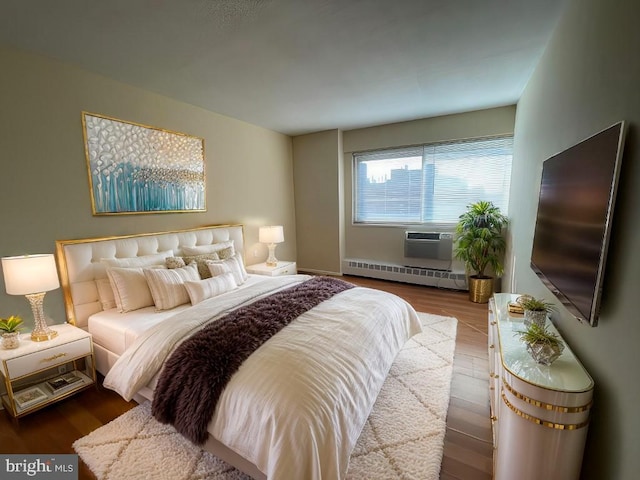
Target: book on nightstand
29,396
58,384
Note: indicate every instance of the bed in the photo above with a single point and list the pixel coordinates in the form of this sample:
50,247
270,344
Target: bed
295,407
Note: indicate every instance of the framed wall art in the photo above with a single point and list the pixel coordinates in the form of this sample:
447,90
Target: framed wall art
135,168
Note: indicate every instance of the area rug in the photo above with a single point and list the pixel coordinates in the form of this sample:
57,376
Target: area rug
402,439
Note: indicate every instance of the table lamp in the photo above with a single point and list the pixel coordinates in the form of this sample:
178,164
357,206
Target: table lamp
32,276
271,235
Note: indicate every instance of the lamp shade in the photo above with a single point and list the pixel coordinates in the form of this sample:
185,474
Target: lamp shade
271,234
28,274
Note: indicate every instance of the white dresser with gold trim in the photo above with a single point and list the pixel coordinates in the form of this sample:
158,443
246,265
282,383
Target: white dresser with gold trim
540,414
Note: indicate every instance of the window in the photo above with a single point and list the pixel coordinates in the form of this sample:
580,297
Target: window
431,184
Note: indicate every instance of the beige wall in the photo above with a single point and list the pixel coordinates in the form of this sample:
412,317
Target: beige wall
318,196
386,243
588,79
44,190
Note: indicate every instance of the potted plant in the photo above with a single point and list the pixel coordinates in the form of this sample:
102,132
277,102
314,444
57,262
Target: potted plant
535,311
543,346
480,243
10,328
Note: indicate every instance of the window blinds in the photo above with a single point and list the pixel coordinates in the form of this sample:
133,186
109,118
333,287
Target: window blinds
431,184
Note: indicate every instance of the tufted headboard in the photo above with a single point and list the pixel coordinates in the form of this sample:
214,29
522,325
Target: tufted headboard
79,260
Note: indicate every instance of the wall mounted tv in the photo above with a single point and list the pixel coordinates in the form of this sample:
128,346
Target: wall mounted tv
573,223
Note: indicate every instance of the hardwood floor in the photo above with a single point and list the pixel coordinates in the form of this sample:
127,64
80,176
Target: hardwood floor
467,452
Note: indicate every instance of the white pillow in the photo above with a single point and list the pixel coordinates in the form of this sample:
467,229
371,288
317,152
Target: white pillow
105,293
130,288
141,261
211,287
167,285
214,247
234,264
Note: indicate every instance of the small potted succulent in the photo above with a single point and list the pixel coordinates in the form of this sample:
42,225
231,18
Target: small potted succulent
543,345
10,328
535,310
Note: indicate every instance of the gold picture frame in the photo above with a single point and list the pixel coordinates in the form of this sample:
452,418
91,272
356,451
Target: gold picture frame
135,168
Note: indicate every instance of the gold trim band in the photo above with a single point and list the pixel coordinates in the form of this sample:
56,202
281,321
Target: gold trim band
544,423
546,406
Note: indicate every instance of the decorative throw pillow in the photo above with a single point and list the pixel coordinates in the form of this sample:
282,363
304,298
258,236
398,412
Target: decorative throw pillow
130,288
141,261
214,247
234,264
226,253
219,268
211,287
105,293
167,285
174,262
203,269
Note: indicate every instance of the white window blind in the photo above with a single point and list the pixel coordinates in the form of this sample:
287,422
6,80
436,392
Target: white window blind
431,184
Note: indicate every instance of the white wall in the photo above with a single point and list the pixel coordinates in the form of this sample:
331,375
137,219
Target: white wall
588,79
44,188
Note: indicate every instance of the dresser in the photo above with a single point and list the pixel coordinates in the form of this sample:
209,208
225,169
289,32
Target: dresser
540,414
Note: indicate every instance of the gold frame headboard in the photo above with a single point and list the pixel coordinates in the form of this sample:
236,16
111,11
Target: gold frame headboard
79,263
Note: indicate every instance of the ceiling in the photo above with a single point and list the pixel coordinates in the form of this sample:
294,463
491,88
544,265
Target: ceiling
299,66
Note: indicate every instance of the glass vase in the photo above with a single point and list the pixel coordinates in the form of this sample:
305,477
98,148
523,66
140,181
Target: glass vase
535,316
544,353
10,340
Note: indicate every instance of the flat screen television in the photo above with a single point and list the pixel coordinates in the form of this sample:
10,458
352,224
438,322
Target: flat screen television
573,222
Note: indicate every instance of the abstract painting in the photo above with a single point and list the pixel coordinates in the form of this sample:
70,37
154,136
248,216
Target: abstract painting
135,168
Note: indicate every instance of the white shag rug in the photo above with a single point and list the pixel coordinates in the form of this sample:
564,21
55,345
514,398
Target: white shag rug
402,439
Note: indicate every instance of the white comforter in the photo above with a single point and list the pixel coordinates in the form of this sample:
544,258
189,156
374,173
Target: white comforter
297,406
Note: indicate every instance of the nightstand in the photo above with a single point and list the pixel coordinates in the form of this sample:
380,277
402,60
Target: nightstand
283,268
37,374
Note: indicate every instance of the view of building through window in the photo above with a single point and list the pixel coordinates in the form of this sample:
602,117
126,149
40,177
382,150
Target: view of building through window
431,183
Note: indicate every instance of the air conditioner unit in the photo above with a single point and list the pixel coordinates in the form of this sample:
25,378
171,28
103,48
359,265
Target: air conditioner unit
428,245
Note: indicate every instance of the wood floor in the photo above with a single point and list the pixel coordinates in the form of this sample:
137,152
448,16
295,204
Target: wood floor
467,451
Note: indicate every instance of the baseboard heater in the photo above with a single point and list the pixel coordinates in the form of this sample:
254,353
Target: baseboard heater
400,273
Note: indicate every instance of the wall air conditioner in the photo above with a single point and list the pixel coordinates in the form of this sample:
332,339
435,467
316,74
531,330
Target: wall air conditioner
428,245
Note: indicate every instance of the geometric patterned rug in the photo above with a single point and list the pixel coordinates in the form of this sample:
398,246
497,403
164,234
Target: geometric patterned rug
403,437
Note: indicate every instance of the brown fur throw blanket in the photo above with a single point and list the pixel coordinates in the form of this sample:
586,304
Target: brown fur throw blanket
197,372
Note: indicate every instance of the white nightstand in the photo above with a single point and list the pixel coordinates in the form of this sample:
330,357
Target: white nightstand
34,373
283,268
